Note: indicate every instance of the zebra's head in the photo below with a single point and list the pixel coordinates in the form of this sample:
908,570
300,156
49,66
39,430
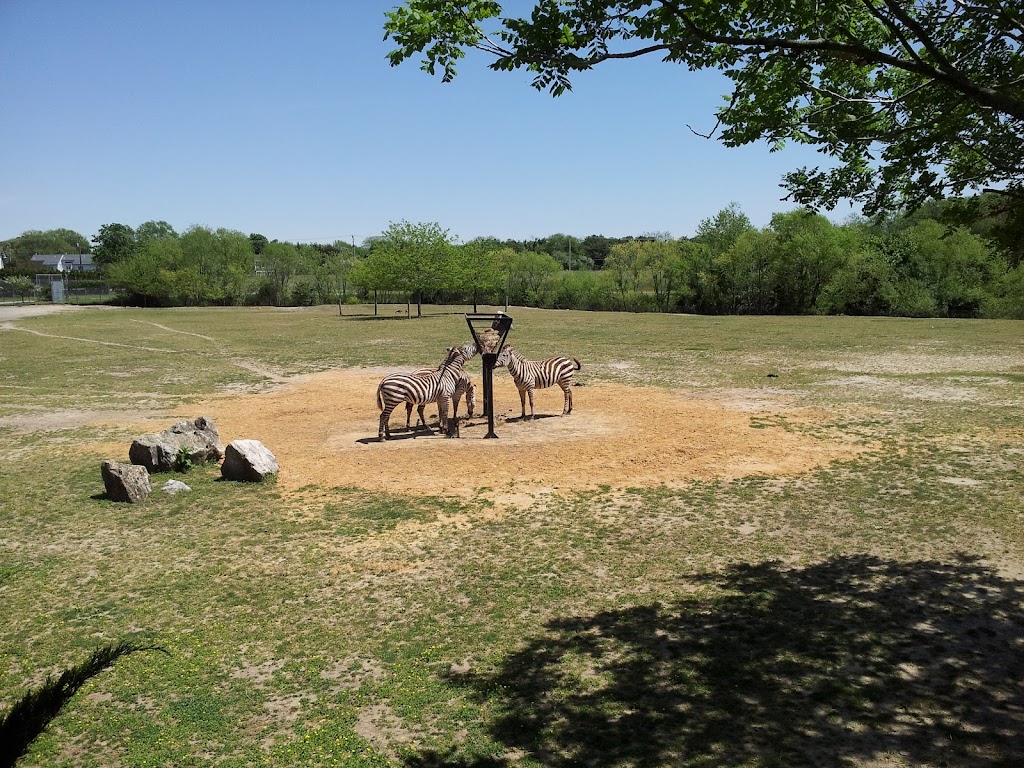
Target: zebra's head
504,356
457,356
470,398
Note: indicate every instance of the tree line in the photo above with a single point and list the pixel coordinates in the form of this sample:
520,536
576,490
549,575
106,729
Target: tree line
925,264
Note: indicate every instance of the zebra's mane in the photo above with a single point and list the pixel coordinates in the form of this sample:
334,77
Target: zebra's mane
457,356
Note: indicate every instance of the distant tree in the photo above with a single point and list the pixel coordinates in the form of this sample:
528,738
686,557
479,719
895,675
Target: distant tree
421,258
505,260
808,249
379,271
995,217
862,285
478,270
259,242
147,277
349,257
113,243
529,273
279,262
596,248
721,231
152,230
958,268
715,236
752,267
1006,297
626,263
661,261
566,250
19,250
217,265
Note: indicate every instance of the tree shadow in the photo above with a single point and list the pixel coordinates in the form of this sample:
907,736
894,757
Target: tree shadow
25,720
841,663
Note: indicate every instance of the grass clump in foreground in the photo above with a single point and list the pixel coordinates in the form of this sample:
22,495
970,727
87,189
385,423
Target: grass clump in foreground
863,613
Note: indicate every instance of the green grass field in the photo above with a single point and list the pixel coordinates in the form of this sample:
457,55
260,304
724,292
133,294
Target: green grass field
866,613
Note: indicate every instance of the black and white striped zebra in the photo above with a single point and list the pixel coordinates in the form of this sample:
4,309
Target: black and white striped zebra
464,386
438,386
538,374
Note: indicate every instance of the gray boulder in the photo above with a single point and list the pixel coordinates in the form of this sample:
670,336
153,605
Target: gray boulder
158,452
249,461
125,482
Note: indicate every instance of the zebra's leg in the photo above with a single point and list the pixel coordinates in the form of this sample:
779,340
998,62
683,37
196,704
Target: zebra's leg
522,403
568,397
533,413
422,416
385,429
408,414
442,413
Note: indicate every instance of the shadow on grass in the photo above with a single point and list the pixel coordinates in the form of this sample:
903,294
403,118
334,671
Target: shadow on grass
849,662
28,716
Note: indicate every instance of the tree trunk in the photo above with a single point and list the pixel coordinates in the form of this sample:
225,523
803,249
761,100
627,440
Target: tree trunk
419,303
375,303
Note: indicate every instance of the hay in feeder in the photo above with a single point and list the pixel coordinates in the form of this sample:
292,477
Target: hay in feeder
488,340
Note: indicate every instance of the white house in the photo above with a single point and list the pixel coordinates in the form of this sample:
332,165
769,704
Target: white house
66,262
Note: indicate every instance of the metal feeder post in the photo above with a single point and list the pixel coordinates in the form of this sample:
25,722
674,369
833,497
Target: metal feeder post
501,323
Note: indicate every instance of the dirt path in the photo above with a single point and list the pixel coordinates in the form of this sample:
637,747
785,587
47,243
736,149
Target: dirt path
11,312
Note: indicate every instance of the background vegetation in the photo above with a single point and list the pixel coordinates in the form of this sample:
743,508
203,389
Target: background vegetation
958,258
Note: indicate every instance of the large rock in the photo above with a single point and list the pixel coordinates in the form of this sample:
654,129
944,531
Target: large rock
158,452
125,482
249,461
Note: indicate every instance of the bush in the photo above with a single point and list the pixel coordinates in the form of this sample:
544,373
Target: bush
301,294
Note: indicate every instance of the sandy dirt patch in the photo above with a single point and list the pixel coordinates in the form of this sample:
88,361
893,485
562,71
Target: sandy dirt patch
323,430
11,312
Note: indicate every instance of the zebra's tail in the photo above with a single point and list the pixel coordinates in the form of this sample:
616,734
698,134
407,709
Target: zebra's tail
579,365
380,400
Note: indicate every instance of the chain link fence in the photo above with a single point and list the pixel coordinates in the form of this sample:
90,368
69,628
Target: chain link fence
57,288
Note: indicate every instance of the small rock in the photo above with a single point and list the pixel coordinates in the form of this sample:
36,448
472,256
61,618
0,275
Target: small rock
249,461
125,482
175,486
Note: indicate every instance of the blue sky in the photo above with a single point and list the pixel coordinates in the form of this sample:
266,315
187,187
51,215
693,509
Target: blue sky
286,119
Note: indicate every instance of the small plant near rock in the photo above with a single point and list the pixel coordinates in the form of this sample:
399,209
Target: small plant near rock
183,460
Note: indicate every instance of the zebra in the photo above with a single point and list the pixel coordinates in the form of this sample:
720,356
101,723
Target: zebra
464,386
436,386
538,374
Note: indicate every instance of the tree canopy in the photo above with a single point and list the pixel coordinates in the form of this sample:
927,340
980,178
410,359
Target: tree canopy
18,250
909,100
